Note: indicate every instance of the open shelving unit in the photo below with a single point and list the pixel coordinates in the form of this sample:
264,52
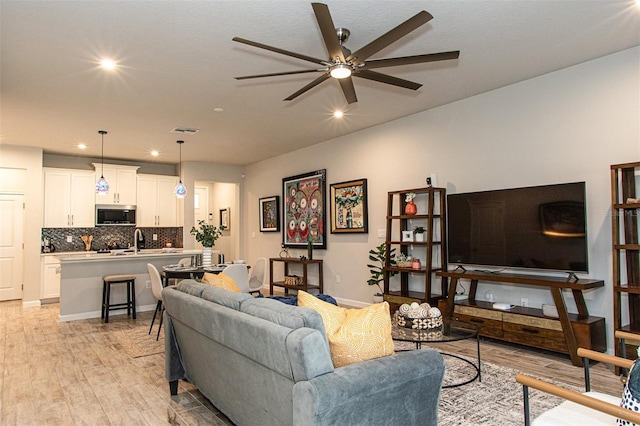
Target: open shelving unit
626,252
432,252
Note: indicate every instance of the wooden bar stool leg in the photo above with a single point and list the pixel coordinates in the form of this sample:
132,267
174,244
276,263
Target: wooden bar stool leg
108,302
133,298
128,285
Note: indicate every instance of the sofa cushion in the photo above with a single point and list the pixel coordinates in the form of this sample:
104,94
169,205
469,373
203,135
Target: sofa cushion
224,297
191,287
286,315
220,280
354,335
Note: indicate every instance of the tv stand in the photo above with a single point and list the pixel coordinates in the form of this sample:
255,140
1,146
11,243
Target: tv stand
530,326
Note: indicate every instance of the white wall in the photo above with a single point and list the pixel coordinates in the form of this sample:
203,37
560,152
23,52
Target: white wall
29,159
566,126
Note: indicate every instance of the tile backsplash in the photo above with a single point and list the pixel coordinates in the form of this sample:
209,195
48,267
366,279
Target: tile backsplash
104,235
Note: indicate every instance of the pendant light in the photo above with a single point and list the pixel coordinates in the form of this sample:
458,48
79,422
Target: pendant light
102,186
180,190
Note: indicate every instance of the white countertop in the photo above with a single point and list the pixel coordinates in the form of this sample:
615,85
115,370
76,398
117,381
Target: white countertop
92,256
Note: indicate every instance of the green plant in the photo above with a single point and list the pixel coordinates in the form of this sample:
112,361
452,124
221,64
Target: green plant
206,234
419,230
377,270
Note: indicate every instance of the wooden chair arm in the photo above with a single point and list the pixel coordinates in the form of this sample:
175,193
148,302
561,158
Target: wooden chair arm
578,398
601,357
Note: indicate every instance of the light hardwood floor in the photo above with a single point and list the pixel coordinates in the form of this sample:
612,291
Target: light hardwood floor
76,373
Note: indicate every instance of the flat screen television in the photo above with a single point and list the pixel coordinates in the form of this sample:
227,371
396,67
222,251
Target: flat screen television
539,227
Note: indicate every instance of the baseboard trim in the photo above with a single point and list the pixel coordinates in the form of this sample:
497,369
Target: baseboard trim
31,304
96,314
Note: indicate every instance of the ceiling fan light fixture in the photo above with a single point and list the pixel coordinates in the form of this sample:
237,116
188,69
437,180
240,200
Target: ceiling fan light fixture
340,71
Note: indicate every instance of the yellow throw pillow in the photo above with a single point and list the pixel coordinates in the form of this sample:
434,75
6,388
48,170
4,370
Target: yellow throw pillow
220,280
354,334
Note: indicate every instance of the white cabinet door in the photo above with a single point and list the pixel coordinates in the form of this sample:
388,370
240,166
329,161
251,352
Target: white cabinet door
50,277
156,205
82,205
57,198
167,201
147,209
122,184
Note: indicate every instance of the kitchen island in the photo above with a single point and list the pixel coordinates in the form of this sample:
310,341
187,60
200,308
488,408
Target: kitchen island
81,280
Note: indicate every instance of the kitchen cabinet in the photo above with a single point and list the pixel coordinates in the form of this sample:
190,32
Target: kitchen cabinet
122,184
68,198
156,205
50,277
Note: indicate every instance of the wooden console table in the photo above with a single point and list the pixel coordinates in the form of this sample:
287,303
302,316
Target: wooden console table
592,327
305,277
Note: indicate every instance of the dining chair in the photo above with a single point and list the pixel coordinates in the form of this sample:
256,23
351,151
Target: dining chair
240,275
258,275
156,289
185,261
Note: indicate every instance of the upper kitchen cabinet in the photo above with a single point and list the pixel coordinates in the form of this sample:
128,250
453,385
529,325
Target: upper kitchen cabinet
122,184
68,198
157,204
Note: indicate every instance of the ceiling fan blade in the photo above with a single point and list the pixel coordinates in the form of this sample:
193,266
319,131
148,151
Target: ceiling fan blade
275,74
278,50
328,31
407,60
384,78
309,86
391,36
349,91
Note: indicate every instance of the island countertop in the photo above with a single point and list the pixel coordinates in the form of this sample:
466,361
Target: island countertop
81,279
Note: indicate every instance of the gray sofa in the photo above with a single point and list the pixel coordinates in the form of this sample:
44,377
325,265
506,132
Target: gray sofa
262,362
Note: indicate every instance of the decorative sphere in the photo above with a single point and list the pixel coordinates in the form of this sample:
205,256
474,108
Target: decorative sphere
425,306
434,312
404,309
415,305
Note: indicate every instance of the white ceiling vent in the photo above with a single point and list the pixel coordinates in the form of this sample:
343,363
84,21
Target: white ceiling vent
185,130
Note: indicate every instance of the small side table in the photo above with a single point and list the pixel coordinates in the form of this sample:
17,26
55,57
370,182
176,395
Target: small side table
305,276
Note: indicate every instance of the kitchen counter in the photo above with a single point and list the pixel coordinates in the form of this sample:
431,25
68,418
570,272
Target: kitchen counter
81,279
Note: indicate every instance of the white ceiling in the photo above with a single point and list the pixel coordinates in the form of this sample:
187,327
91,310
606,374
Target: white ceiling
178,62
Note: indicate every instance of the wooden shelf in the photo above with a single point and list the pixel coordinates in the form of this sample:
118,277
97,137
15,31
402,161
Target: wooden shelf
305,286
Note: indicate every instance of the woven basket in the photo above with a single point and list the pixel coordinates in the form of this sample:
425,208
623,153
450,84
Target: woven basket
404,264
418,323
293,280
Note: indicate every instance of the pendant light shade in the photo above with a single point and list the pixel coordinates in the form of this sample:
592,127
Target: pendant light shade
180,189
102,186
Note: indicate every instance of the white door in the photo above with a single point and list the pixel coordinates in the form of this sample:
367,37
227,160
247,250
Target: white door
11,246
201,204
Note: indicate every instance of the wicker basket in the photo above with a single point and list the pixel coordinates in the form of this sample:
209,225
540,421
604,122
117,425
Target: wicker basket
293,280
418,323
405,264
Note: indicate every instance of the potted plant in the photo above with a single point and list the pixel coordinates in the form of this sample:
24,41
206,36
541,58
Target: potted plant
419,233
376,269
206,235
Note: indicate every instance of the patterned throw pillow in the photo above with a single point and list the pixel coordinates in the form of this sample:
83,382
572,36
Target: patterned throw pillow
220,280
354,334
631,395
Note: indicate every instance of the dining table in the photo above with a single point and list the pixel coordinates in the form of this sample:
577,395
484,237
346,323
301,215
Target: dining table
185,272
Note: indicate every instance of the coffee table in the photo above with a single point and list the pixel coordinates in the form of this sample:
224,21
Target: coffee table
451,330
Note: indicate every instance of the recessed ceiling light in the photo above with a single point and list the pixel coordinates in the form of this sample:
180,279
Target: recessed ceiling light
218,109
108,64
185,130
338,114
154,153
82,146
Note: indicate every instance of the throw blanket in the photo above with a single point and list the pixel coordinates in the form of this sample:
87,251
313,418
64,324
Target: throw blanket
293,300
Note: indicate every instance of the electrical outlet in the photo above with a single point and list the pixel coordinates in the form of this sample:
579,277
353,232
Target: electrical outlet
337,278
155,237
524,302
148,284
69,239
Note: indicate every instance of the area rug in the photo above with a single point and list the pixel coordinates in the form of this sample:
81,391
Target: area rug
137,342
496,400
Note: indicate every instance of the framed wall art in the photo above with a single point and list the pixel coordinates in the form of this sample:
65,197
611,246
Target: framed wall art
304,210
349,207
269,214
224,218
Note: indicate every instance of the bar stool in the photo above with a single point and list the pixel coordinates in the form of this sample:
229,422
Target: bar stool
130,281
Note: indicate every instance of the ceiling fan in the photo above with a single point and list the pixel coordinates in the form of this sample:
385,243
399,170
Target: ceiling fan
342,64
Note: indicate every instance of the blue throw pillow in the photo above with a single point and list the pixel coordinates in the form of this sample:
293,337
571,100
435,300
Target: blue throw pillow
293,300
631,395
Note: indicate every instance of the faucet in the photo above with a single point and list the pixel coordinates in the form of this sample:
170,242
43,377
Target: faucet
135,240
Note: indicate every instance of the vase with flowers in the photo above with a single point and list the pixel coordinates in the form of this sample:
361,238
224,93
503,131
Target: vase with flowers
410,207
206,235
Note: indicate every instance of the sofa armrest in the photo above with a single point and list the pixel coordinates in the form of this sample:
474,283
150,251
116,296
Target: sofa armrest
400,389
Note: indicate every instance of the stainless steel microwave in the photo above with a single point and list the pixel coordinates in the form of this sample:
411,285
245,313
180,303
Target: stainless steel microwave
115,215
